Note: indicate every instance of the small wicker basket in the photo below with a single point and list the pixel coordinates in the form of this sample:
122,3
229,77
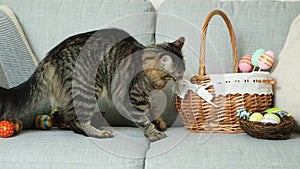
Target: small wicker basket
269,131
200,115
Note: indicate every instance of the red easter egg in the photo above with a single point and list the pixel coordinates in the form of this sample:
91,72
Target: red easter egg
245,64
6,129
266,60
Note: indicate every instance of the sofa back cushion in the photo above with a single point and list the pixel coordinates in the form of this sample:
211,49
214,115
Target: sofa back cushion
257,24
48,22
286,74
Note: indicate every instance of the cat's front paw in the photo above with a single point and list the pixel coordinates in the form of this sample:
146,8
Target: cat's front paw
103,133
160,125
156,136
88,130
153,134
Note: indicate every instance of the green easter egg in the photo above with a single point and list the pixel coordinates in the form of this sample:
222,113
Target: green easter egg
273,110
256,55
272,116
256,117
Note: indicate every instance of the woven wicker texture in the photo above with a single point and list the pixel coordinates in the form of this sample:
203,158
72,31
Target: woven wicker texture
269,131
200,116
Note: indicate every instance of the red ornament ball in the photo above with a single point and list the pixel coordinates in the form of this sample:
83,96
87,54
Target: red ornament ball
6,129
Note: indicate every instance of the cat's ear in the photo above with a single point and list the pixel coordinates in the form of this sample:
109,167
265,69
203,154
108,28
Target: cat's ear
179,42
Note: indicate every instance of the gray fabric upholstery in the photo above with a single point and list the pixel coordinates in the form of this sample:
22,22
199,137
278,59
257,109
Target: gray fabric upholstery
59,149
219,151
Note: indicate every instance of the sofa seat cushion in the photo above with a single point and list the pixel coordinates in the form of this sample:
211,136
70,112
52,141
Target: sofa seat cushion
214,151
61,149
47,22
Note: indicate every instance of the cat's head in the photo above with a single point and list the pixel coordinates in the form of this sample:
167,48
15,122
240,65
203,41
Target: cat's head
164,62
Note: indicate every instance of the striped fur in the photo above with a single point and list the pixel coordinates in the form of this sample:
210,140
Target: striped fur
107,64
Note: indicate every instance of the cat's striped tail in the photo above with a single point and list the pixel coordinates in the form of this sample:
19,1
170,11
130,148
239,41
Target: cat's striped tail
20,102
3,94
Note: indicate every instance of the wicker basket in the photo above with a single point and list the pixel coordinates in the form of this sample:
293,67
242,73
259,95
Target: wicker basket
200,115
269,131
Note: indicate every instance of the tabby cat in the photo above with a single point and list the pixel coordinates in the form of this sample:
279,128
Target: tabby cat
107,64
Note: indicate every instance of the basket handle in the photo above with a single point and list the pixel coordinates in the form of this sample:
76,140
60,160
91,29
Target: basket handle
203,41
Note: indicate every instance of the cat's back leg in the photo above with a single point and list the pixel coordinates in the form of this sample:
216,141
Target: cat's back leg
79,120
77,107
83,100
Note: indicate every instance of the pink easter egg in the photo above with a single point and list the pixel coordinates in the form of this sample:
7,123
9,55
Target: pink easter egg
245,64
266,60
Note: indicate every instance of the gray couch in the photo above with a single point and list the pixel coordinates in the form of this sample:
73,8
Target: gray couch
258,24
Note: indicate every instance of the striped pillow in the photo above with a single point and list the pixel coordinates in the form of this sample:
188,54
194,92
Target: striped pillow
17,61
